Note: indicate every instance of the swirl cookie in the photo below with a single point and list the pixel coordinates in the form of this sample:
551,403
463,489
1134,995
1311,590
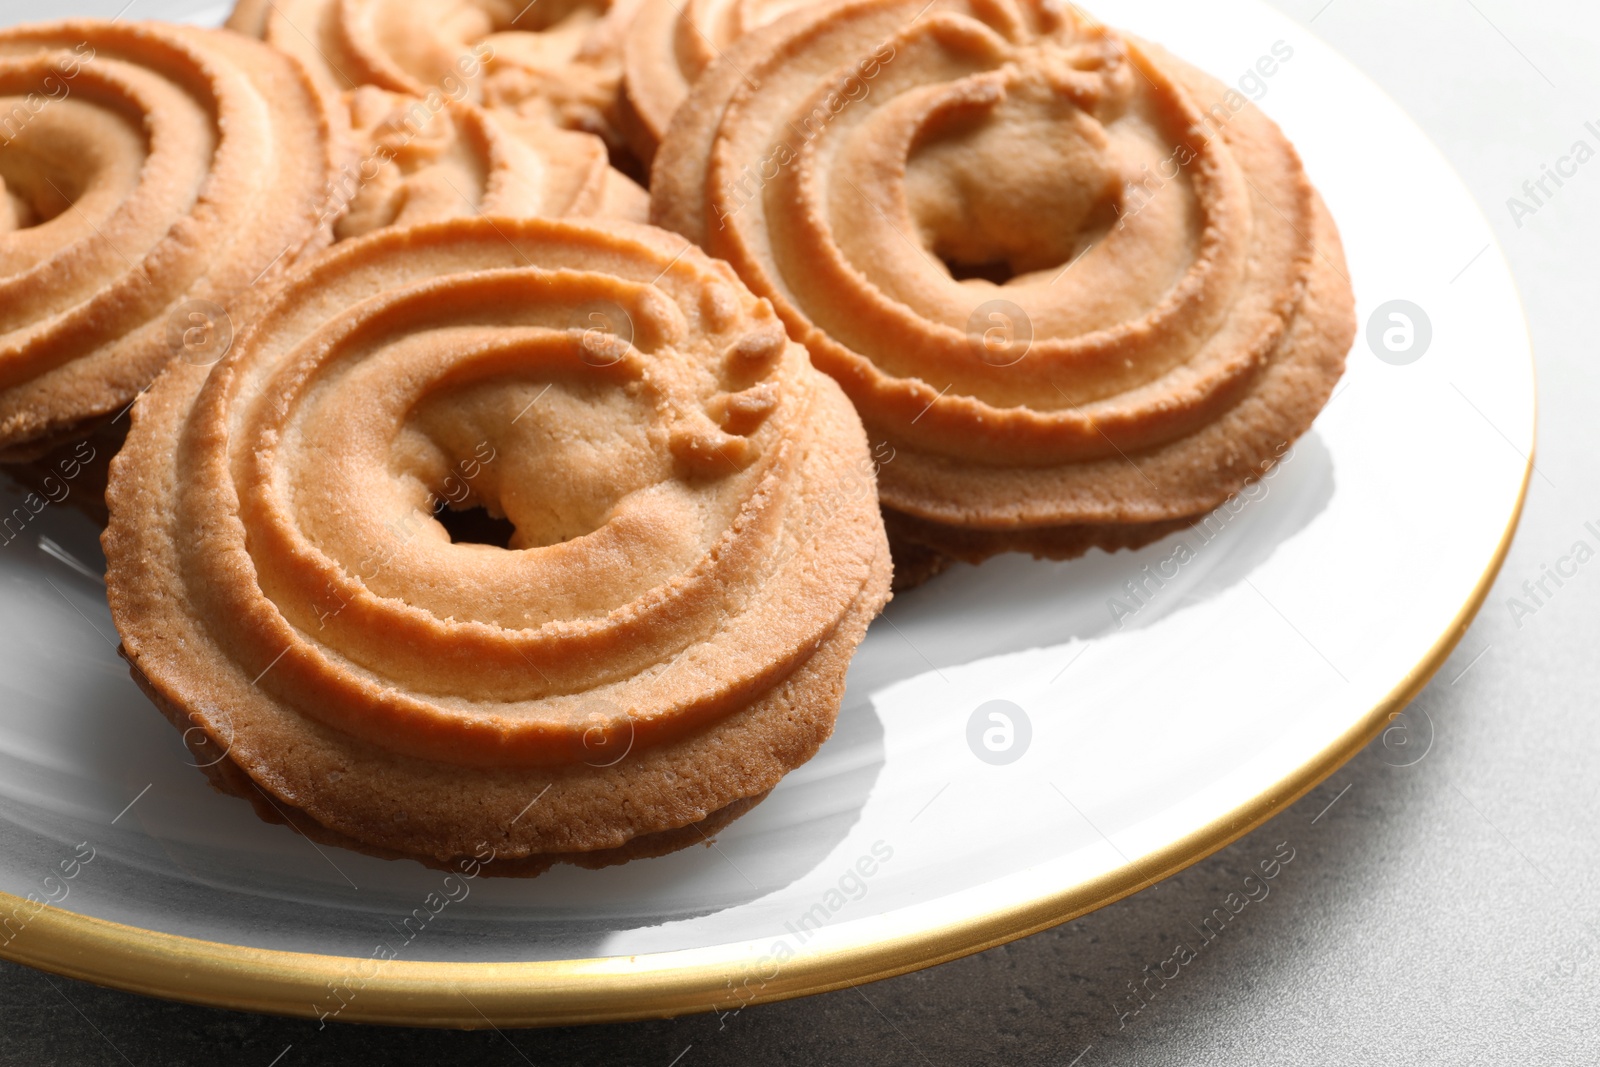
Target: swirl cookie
431,159
535,534
557,62
1082,289
150,175
666,48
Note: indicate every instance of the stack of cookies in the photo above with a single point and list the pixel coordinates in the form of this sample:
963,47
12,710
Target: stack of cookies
459,505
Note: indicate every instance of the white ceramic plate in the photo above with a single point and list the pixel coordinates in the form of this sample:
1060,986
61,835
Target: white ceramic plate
1316,610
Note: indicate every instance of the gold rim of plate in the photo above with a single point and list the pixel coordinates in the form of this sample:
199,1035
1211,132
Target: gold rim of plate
620,988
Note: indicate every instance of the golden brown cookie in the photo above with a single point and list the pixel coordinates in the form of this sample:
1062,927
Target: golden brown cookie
674,545
150,175
558,61
226,777
431,159
1083,290
667,45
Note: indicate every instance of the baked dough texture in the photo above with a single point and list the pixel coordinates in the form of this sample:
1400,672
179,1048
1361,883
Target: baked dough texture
559,61
431,158
667,46
694,551
149,174
1084,291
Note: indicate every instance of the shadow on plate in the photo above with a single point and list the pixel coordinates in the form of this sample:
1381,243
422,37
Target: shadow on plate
1013,602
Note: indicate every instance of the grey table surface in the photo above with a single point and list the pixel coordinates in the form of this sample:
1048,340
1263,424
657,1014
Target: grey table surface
1442,911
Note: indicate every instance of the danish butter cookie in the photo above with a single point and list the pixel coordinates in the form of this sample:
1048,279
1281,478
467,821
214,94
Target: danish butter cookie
1083,290
675,543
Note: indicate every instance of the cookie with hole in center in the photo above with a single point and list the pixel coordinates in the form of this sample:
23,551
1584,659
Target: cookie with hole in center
150,175
495,511
1084,291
